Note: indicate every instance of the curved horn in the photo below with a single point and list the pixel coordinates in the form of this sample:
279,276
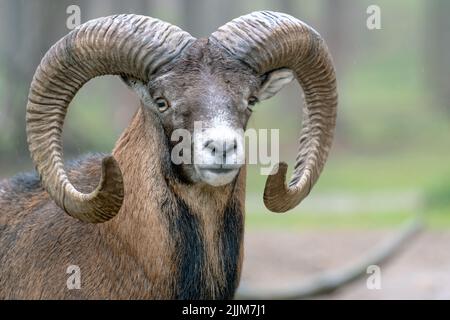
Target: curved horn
266,41
119,45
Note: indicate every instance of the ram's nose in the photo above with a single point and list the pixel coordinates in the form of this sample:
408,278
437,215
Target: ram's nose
223,150
219,153
220,147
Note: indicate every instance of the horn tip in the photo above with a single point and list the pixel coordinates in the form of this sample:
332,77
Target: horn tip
112,174
275,188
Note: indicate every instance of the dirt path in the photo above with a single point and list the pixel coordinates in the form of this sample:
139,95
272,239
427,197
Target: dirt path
276,259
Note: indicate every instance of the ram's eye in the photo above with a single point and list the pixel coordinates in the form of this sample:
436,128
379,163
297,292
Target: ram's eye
162,104
252,101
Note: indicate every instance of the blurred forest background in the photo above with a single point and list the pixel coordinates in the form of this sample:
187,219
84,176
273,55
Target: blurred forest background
391,153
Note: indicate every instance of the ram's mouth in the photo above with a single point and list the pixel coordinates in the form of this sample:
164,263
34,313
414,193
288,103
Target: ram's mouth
219,170
217,175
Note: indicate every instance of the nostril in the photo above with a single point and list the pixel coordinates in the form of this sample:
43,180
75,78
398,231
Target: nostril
231,146
222,148
209,144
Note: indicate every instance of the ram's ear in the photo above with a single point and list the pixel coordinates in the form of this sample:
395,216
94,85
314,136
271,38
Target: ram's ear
140,88
274,82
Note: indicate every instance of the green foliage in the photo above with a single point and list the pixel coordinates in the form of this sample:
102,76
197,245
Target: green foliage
438,195
297,220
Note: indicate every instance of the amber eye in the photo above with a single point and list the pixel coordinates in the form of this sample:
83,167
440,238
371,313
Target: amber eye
162,104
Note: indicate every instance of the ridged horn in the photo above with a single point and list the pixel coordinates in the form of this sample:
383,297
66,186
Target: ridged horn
130,45
267,41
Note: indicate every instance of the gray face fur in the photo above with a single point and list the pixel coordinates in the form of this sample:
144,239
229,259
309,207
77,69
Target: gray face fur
206,86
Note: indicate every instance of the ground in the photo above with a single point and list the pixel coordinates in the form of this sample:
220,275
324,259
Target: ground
279,259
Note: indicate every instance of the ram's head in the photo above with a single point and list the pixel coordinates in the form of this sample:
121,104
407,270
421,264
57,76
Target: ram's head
214,81
204,99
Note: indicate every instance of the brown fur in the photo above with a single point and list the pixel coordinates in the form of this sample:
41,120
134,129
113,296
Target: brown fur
175,236
132,256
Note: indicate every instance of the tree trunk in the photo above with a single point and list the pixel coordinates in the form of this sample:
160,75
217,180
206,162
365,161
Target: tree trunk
437,52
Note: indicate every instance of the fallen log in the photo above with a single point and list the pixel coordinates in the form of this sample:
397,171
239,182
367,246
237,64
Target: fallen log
330,281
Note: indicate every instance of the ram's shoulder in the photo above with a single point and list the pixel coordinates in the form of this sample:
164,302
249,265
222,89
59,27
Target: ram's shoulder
21,183
80,171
